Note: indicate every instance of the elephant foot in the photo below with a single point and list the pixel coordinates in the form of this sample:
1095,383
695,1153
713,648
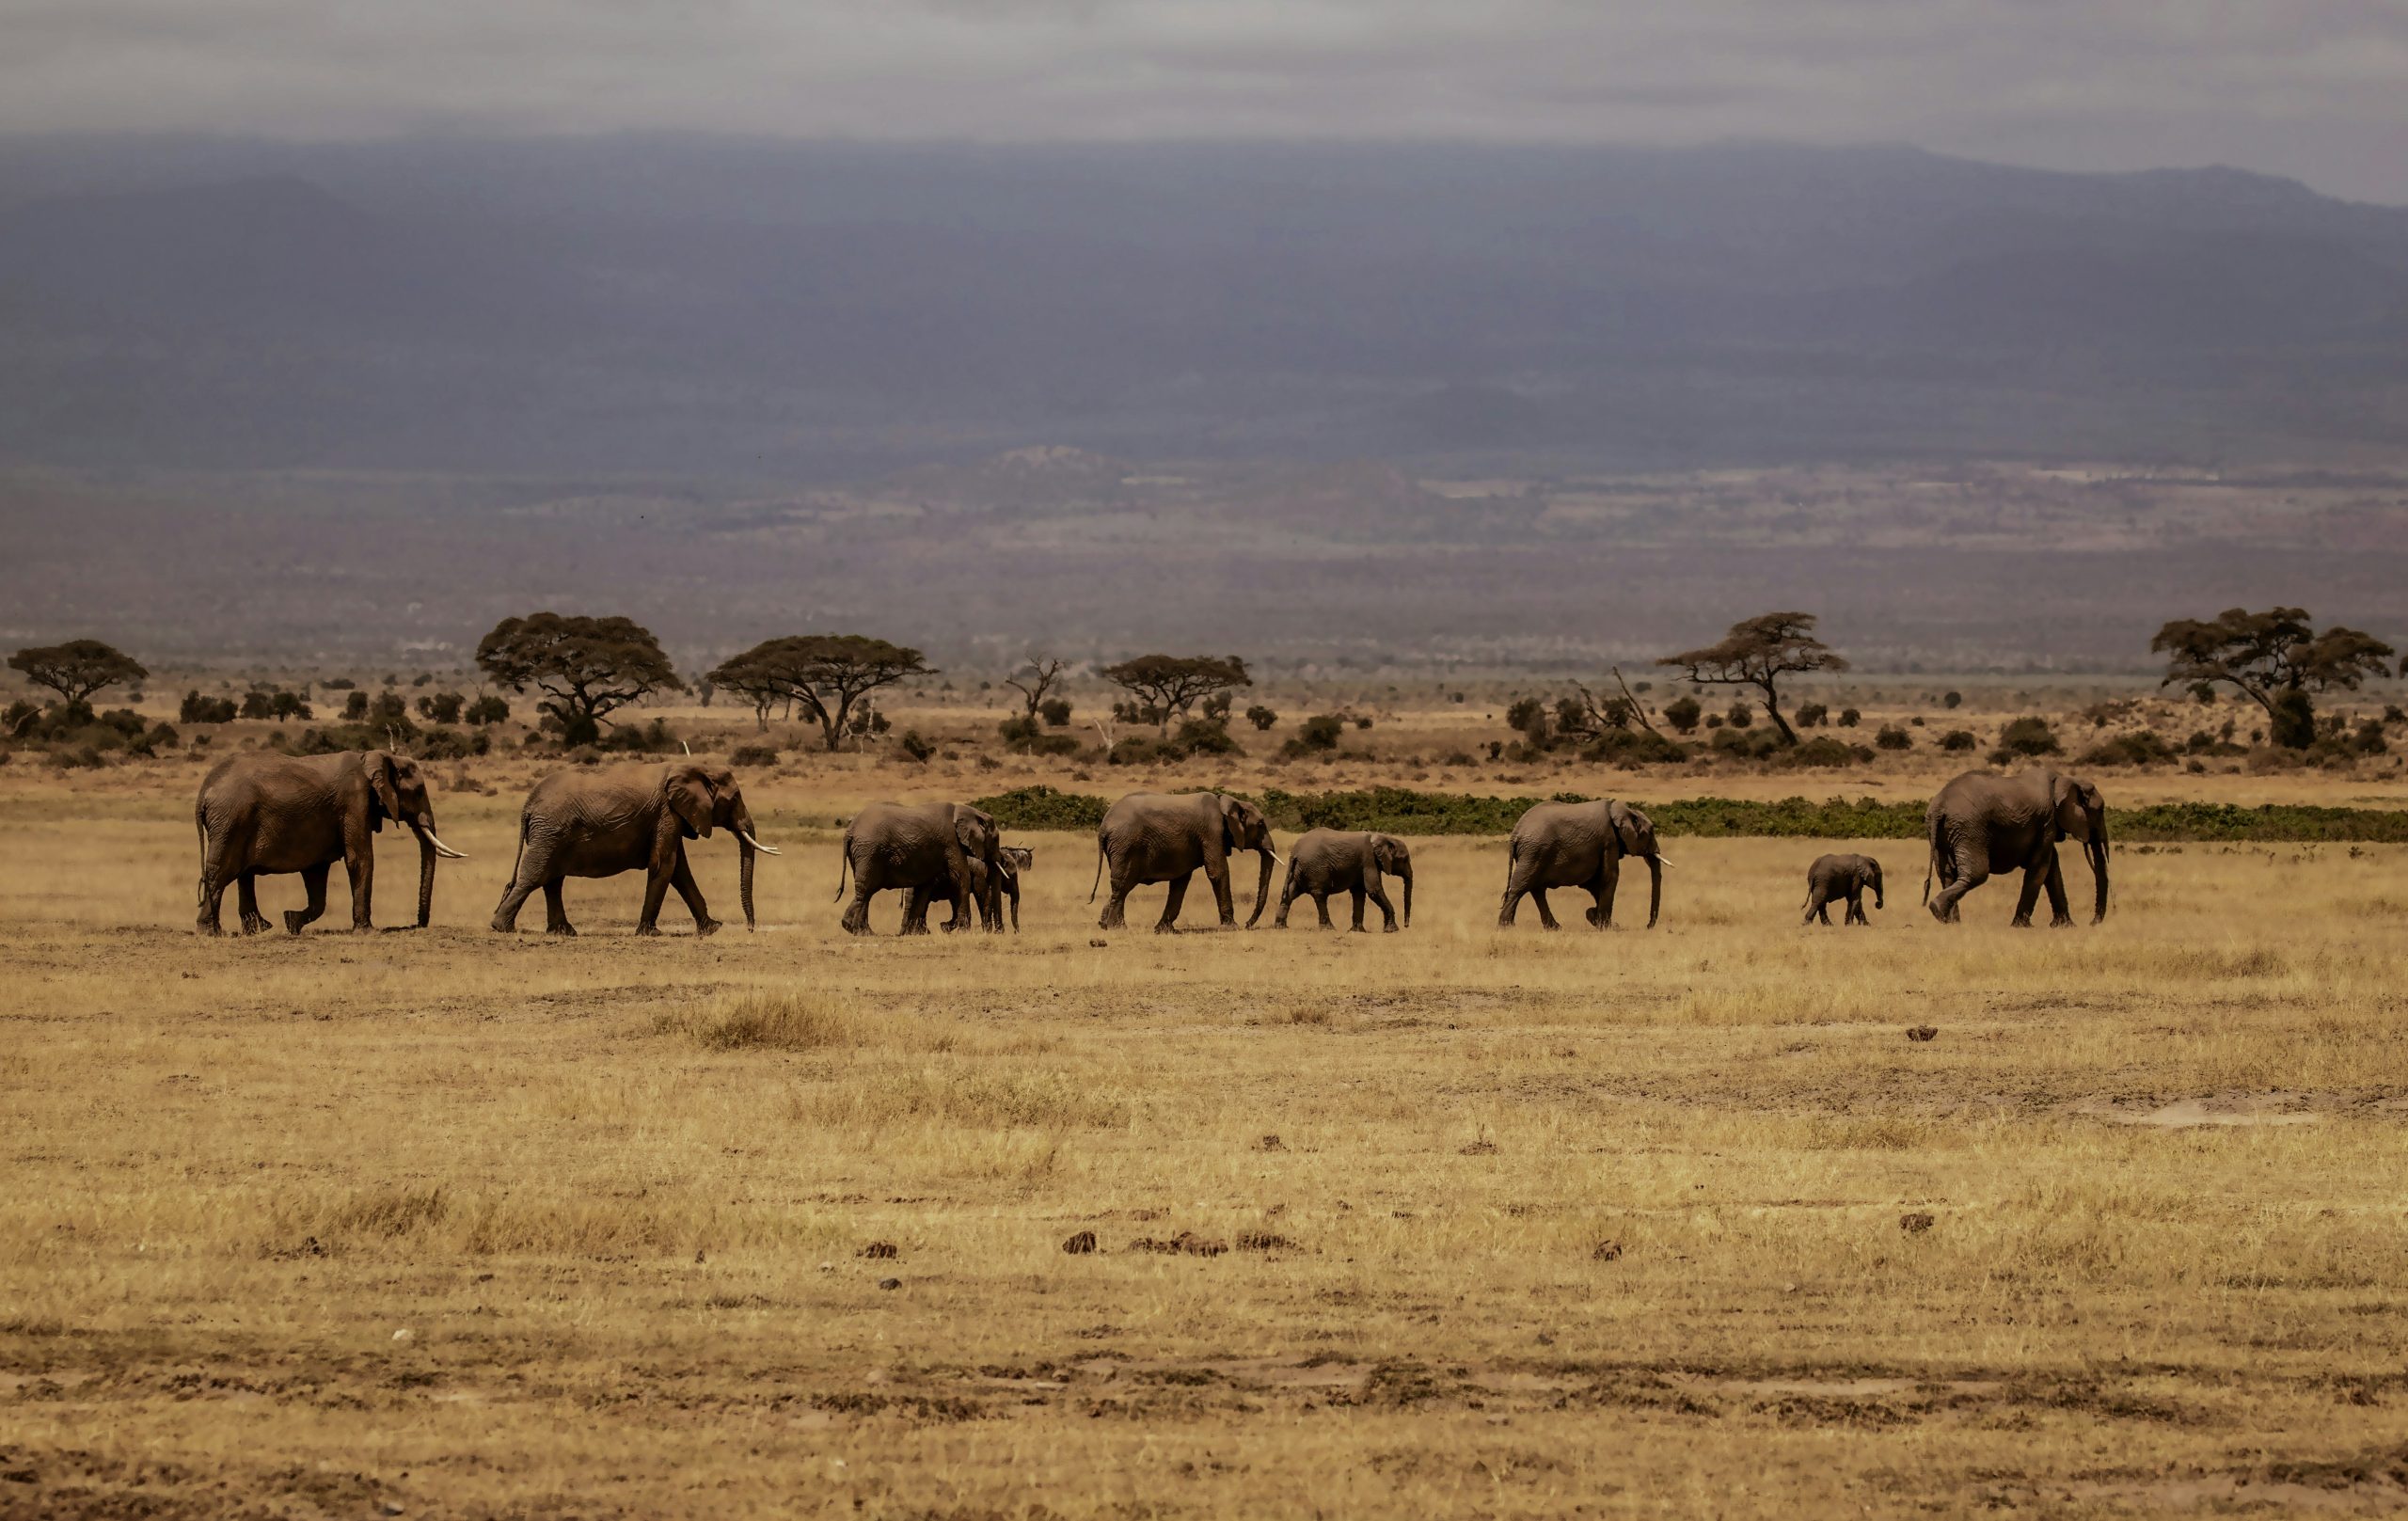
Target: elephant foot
1937,912
1387,929
2063,923
256,923
1165,929
363,929
650,931
213,931
705,927
294,919
563,929
2021,920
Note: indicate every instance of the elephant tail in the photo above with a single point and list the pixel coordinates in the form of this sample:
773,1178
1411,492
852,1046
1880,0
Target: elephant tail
843,865
1930,863
1094,886
519,857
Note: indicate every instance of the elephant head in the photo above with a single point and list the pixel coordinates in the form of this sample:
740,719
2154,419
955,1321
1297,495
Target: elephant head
1635,832
1873,874
2079,812
1010,861
704,799
397,790
1389,854
1244,828
982,840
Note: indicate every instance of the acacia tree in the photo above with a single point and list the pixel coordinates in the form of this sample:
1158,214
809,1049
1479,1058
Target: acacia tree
1035,679
1169,685
1758,652
586,667
2275,658
76,669
824,675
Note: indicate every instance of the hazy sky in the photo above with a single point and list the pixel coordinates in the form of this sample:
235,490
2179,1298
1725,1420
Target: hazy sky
2313,89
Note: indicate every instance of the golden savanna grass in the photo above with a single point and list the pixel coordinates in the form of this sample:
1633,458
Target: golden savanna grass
1511,1224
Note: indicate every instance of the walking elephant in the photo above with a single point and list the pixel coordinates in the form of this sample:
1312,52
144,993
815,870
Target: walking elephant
1983,823
1838,877
600,821
907,846
264,815
990,887
1153,837
1579,845
1324,861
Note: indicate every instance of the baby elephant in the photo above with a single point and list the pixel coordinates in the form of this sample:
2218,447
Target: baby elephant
1847,877
1328,861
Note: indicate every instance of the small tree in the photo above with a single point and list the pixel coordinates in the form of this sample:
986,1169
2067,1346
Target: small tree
1261,717
1055,711
76,669
824,675
1170,685
488,709
2275,657
1757,652
1682,713
586,667
1035,679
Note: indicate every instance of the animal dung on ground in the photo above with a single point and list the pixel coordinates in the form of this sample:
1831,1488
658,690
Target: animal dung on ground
1271,1142
890,1283
1264,1241
1186,1244
1481,1148
1605,1251
1080,1243
1915,1222
1922,1032
881,1250
1098,942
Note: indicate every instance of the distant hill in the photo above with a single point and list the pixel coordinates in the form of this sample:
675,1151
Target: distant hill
745,309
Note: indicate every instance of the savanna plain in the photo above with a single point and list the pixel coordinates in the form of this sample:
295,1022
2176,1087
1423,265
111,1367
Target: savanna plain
1454,1221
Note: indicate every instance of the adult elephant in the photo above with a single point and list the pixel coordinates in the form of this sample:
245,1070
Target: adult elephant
1326,860
1579,845
264,814
1983,822
600,821
990,887
1842,877
1153,837
904,846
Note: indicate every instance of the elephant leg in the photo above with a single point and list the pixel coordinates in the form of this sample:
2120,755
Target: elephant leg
690,891
916,923
1509,906
2033,876
1377,894
1855,914
247,902
1286,895
360,864
1354,900
313,882
505,913
864,888
1603,915
655,890
1320,907
556,908
1816,899
213,893
1168,924
2060,912
1977,872
1217,873
1547,916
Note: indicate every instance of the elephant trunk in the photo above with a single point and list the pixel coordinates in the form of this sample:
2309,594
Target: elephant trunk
1654,889
2096,845
1261,886
1876,891
425,875
1407,874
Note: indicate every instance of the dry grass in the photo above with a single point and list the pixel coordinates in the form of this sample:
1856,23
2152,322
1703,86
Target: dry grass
615,1190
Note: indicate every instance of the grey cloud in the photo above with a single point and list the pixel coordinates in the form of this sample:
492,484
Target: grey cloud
2309,88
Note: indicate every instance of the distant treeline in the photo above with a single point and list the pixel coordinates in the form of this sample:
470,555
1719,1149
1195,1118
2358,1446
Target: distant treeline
1403,810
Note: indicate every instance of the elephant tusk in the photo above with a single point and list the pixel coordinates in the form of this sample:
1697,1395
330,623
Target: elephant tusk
1662,860
766,851
442,849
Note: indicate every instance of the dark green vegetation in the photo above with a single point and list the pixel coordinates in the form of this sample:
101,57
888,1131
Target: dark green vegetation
1405,810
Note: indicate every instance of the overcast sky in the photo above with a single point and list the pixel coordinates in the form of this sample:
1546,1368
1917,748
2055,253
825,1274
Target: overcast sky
2313,89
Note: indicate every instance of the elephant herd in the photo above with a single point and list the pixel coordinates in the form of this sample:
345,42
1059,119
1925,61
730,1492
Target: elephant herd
264,815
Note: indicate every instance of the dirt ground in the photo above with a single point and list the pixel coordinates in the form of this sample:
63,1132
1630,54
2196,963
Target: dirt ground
1455,1221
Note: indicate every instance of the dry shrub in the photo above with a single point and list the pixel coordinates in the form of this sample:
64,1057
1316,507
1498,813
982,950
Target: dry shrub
976,1100
771,1021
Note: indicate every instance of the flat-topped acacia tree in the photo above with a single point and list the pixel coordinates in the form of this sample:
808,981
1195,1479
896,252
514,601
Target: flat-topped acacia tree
76,669
824,675
1170,685
2276,658
1758,652
586,667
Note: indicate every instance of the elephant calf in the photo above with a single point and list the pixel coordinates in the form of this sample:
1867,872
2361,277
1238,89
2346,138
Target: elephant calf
1326,860
912,847
988,888
1846,877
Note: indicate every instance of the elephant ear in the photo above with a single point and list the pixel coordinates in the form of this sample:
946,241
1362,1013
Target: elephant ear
1386,851
976,832
1233,824
690,799
379,766
1627,826
2064,807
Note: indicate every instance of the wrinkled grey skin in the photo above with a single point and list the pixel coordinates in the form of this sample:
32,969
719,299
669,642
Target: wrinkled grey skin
1838,877
264,814
1326,860
1578,845
602,820
1983,823
990,887
1158,837
902,847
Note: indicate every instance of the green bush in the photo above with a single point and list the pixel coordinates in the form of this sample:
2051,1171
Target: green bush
1682,713
1956,739
1850,718
1627,748
1892,738
1043,808
1742,714
1260,717
1811,715
1823,749
2026,736
919,749
1953,700
199,710
1055,711
488,709
754,756
2142,749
